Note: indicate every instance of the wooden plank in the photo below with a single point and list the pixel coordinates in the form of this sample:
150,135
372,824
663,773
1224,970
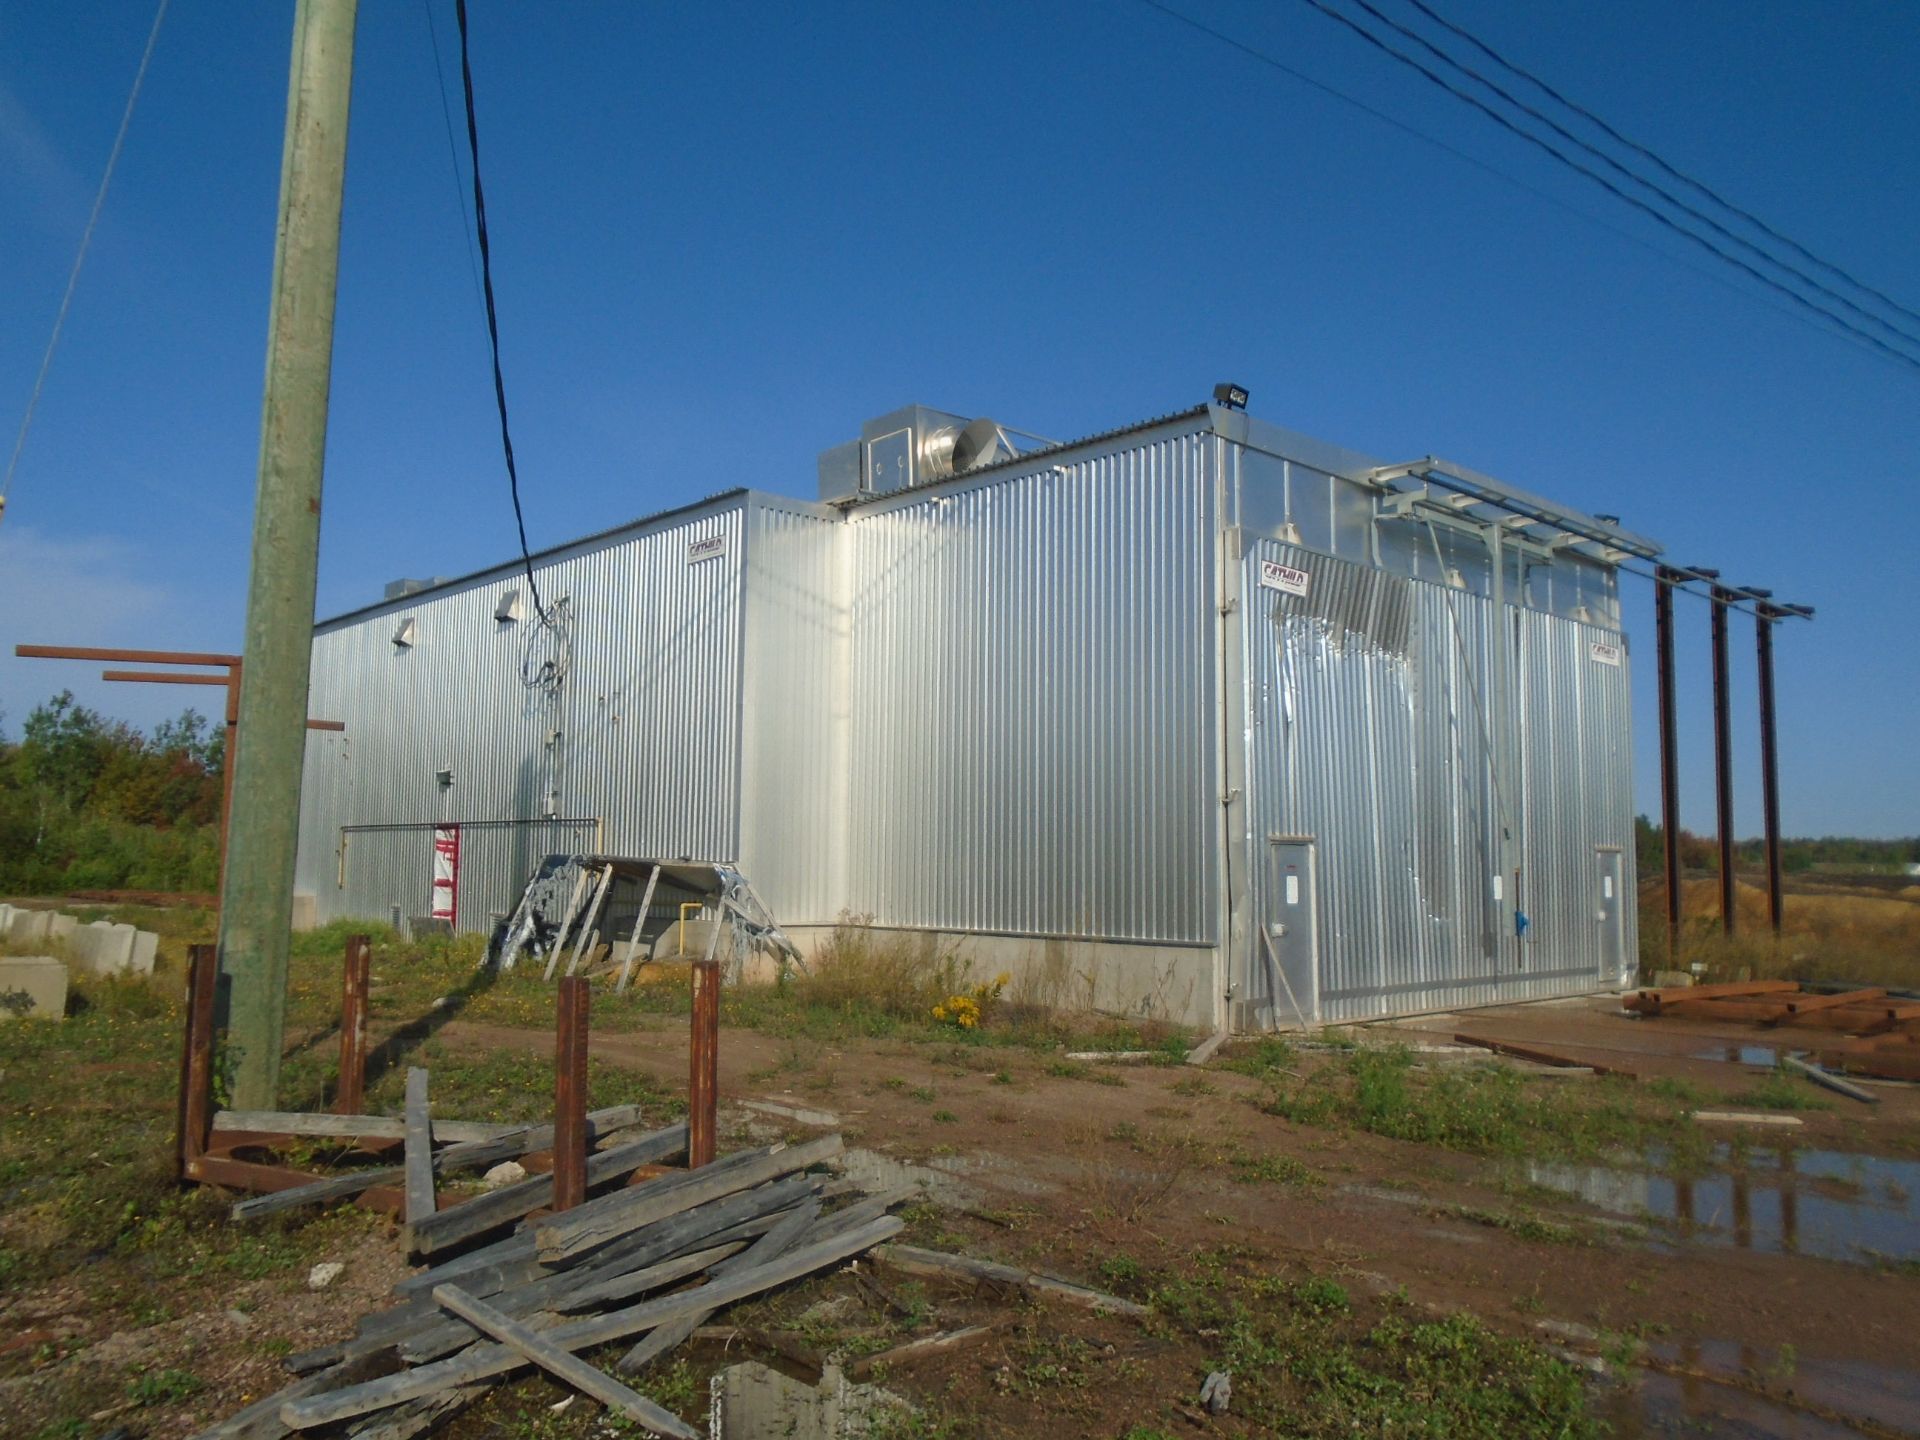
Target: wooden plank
938,1265
564,1366
419,1163
454,1158
1806,1004
612,1216
1541,1056
769,1247
511,1202
378,1127
944,1343
481,1361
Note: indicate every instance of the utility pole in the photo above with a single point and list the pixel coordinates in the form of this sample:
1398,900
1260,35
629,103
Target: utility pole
1663,583
257,887
1723,753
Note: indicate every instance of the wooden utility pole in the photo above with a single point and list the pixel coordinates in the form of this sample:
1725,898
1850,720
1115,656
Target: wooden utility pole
256,900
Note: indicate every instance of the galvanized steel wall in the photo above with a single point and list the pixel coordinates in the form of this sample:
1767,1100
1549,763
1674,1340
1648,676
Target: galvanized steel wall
643,735
793,750
1370,731
1031,683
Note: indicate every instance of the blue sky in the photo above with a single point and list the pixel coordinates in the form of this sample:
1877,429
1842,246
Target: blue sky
725,234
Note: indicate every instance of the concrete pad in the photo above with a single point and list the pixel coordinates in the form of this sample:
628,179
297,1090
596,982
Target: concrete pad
749,1401
32,986
306,910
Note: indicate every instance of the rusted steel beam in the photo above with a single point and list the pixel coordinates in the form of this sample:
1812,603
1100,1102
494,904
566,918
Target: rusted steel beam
125,657
195,1111
1653,1001
1669,750
355,981
570,1094
1806,1004
703,1081
160,677
1723,760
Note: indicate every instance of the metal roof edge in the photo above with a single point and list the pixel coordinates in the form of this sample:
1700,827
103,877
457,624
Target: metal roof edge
565,550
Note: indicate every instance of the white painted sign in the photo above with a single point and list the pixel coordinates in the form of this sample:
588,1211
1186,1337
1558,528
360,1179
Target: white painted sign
1293,889
1276,576
1604,654
710,547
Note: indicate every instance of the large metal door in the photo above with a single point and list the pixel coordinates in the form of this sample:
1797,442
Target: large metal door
1290,933
1610,912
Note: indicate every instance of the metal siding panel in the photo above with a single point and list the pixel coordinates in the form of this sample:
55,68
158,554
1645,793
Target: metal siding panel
647,719
1369,732
1031,668
792,735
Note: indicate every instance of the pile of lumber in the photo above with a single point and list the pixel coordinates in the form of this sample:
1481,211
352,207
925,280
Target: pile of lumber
1883,1029
642,1266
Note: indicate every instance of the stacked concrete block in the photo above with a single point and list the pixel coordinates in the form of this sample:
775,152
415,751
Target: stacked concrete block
60,929
103,947
25,927
32,987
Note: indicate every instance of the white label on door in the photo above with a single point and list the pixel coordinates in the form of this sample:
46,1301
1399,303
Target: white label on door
1496,887
1604,654
1293,889
1276,576
1606,887
709,548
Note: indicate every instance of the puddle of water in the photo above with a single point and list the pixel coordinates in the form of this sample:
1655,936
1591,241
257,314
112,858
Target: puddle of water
1831,1392
1826,1203
943,1178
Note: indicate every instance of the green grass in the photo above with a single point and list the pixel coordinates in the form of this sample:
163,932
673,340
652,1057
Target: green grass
1306,1362
1480,1109
1781,1089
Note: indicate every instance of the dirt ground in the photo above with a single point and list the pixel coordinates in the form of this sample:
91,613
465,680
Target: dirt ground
1141,1179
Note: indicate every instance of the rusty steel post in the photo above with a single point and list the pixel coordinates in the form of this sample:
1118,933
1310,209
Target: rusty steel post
1723,758
703,1081
195,1112
1764,616
570,1094
355,980
1663,583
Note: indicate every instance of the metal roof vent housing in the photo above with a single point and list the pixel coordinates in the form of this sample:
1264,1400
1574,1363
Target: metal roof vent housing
911,447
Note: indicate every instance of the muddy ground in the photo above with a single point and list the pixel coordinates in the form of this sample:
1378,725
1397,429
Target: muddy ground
1776,1293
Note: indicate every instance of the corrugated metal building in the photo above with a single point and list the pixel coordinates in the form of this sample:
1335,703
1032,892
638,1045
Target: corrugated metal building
1198,718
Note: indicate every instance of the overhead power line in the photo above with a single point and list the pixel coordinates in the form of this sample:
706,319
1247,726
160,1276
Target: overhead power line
80,257
1866,337
453,157
1699,186
493,319
1766,257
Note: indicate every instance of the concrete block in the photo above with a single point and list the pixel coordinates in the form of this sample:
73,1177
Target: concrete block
61,928
27,927
146,948
32,986
103,947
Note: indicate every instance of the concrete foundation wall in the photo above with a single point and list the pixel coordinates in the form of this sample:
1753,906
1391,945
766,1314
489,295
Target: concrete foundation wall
1174,983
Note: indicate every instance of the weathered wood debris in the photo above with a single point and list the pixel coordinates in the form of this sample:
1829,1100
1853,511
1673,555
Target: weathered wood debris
644,1264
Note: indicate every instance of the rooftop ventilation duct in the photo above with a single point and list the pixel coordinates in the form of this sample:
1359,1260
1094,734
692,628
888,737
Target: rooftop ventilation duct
911,447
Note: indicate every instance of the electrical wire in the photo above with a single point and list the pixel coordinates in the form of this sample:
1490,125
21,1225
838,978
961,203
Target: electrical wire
80,258
1698,186
1713,275
1684,207
493,319
1660,216
453,155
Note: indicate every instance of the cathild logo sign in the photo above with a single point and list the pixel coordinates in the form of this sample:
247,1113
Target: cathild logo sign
708,548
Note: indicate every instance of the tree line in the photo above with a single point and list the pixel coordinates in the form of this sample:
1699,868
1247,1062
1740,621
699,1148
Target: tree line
1798,854
88,803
